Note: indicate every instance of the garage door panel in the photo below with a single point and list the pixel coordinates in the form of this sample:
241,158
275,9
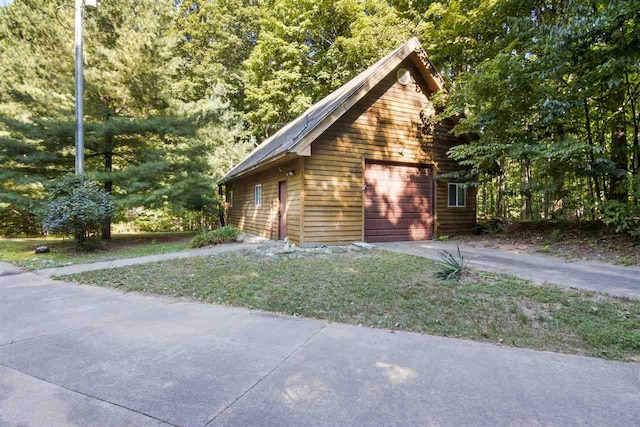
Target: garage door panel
398,236
385,216
407,201
398,202
402,224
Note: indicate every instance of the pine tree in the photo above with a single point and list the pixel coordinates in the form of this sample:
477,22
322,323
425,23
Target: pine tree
142,140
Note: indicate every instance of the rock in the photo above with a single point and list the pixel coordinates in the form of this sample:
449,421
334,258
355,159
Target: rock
240,237
363,245
289,247
42,250
293,256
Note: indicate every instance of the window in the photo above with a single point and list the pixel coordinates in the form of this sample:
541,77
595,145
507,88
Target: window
230,198
457,195
257,195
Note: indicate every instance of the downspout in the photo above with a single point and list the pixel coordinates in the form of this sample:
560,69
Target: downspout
221,206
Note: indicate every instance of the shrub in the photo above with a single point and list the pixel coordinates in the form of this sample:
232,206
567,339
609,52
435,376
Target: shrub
226,234
621,217
452,266
77,208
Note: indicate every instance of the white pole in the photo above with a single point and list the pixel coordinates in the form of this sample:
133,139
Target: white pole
79,6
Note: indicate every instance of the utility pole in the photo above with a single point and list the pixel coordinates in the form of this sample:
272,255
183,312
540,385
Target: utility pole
79,9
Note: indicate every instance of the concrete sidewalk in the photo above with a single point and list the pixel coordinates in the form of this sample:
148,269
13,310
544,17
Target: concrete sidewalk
592,276
82,355
7,269
79,268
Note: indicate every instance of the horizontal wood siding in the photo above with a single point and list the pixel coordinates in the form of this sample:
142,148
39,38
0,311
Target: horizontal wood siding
263,220
384,125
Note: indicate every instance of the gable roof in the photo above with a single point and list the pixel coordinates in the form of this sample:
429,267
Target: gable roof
296,137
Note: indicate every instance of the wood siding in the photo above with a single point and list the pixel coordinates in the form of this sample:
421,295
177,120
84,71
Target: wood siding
384,125
263,220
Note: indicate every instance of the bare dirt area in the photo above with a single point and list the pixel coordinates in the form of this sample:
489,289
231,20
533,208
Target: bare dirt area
586,241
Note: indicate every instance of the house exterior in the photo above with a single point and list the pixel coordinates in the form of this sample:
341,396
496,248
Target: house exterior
358,165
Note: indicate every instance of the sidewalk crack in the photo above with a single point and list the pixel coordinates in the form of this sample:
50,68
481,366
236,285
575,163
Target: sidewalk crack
309,338
88,395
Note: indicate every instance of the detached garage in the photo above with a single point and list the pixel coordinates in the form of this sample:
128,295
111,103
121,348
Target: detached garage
362,164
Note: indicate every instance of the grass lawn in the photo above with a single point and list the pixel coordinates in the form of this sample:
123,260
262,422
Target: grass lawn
397,291
20,251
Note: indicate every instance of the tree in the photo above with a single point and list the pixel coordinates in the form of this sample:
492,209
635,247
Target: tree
551,89
142,133
307,49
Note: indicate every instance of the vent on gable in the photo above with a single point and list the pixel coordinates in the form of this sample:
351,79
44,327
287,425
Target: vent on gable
403,76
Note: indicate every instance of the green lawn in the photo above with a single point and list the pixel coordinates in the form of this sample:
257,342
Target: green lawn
20,251
389,290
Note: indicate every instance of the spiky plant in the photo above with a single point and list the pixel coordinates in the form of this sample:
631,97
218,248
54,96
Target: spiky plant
452,265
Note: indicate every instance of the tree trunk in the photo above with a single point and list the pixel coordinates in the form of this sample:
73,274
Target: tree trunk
484,200
635,151
108,184
500,197
591,177
619,155
527,210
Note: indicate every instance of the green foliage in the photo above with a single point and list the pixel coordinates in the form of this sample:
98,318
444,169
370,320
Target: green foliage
18,222
148,138
452,265
492,227
176,92
77,208
551,91
306,49
226,234
622,217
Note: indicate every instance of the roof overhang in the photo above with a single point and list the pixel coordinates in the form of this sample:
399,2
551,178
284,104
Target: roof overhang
260,167
413,50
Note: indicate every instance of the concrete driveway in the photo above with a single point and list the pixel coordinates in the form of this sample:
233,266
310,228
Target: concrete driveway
86,356
592,276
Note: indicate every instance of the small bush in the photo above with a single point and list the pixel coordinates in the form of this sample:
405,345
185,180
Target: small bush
621,217
452,266
492,227
226,234
78,208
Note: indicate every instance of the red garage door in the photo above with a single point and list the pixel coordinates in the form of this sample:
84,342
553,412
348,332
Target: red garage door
398,202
